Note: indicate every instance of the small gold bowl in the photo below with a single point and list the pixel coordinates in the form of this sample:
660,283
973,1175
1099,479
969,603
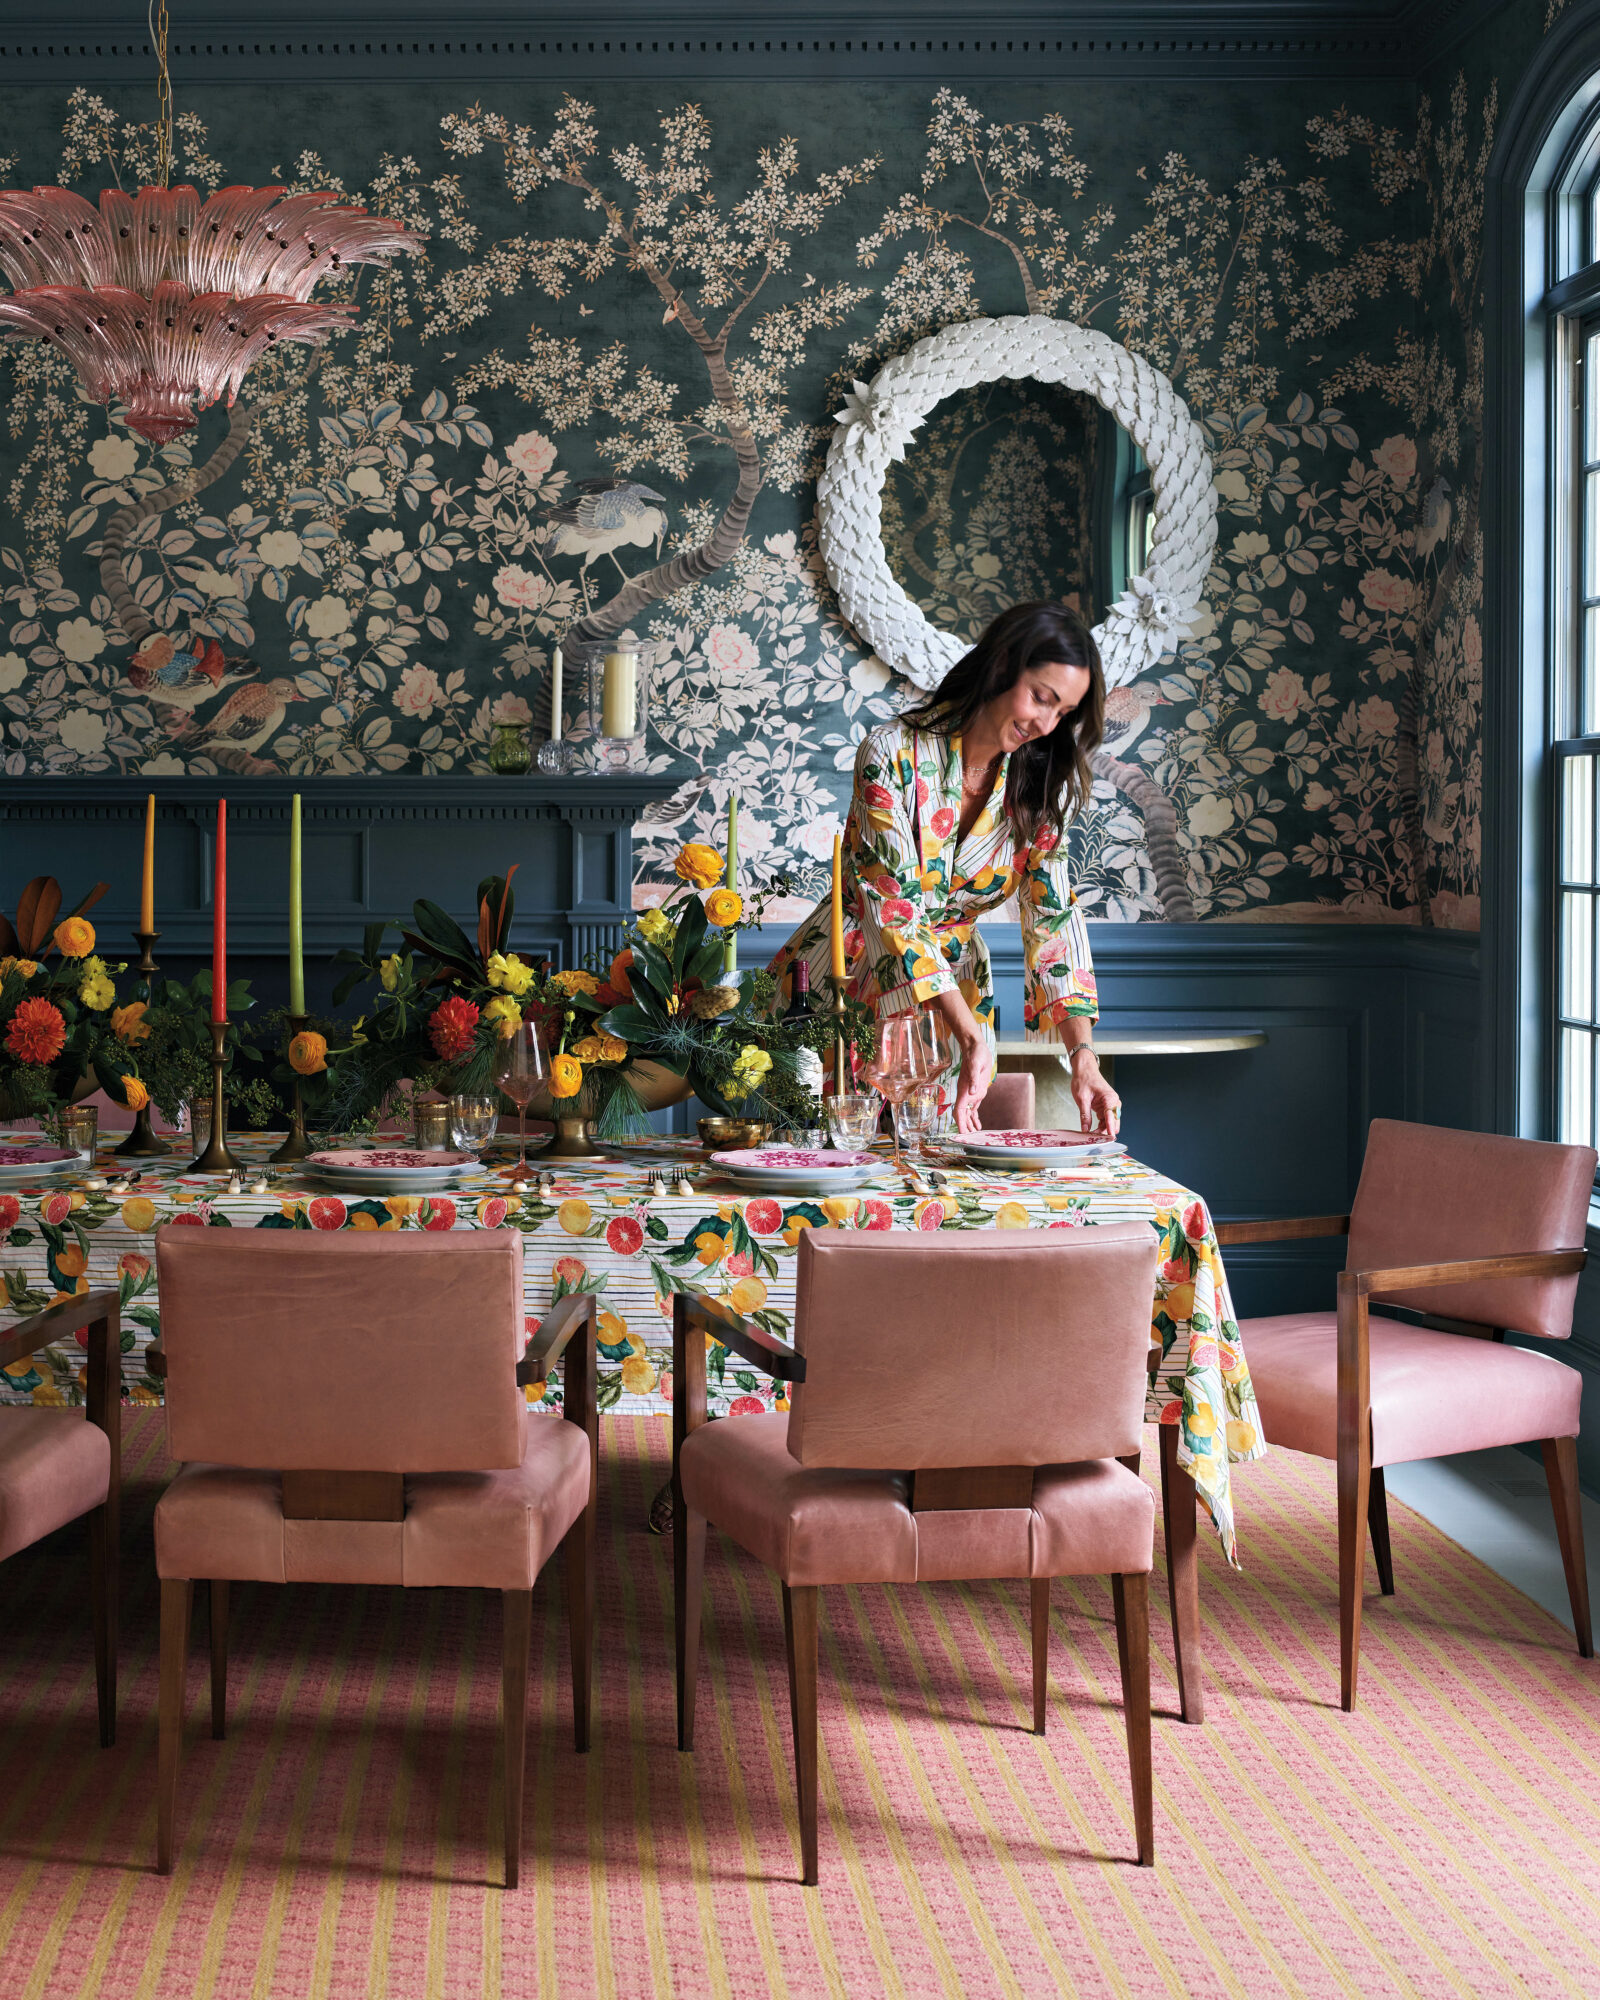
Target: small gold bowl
726,1134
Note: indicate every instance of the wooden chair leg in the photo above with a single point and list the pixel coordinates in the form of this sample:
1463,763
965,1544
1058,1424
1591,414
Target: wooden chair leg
1131,1597
788,1654
105,1589
1039,1594
1355,1487
177,1607
802,1604
1378,1528
219,1657
689,1566
516,1638
1561,1469
1178,1503
579,1548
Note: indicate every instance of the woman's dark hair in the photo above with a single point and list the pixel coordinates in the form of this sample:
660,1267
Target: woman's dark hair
1049,777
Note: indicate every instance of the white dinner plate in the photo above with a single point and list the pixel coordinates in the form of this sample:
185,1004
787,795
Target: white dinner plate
58,1160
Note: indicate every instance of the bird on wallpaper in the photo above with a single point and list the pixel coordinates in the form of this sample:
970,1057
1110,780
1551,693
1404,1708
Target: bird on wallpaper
1127,717
1433,524
177,679
245,721
613,514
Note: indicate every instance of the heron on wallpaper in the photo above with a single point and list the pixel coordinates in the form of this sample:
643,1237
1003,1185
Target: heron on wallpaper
612,514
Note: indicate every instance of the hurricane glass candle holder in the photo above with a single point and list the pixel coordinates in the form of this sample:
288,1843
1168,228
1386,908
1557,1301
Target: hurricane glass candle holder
619,702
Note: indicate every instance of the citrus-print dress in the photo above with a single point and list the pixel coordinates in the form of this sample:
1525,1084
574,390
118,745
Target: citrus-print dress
913,895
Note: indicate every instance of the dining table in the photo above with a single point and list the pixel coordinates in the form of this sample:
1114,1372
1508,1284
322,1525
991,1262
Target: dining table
616,1227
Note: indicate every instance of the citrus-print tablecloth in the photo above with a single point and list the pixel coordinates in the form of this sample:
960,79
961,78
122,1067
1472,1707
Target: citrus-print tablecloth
601,1230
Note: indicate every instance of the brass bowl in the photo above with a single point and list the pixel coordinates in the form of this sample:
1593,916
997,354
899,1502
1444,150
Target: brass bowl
726,1134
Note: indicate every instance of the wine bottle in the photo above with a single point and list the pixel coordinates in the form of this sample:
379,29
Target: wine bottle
799,1007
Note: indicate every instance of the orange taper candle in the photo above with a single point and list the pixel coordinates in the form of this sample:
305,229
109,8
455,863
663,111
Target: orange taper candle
219,918
838,907
147,889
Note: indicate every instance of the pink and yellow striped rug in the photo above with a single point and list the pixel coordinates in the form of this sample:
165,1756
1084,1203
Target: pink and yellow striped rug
345,1838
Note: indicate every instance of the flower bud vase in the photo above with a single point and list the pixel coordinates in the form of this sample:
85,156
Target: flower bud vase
509,755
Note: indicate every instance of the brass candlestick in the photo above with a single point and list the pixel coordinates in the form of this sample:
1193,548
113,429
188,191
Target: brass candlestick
142,1143
294,1146
841,1056
216,1158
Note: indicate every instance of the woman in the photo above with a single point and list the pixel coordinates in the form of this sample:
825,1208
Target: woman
960,803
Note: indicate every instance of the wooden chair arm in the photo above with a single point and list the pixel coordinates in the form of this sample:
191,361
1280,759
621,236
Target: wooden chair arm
1464,1271
1282,1230
554,1331
751,1342
40,1328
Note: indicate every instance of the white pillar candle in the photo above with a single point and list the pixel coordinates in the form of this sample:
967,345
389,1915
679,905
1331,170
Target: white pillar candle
619,701
555,695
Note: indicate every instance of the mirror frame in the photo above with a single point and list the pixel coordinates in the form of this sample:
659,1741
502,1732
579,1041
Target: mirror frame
878,419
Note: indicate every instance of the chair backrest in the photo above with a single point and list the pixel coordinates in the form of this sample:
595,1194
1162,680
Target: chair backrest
357,1352
1008,1102
988,1347
1430,1194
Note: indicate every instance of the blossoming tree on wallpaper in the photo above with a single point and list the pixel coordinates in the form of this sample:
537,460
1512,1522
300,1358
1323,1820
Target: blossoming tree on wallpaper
599,397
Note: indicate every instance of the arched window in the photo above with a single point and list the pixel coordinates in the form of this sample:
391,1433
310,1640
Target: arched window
1541,516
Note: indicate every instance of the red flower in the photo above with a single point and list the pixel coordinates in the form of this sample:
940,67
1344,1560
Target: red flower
37,1032
453,1028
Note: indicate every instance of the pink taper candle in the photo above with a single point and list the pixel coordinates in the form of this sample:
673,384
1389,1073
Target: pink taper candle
219,919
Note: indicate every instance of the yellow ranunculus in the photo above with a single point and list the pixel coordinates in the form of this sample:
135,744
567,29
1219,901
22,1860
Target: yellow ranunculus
97,994
613,1049
308,1053
74,937
724,907
504,1012
134,1094
588,1050
128,1023
656,927
511,974
389,972
26,966
698,864
576,980
752,1063
566,1076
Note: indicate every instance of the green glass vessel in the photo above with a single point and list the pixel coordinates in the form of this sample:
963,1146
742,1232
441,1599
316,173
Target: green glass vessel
509,755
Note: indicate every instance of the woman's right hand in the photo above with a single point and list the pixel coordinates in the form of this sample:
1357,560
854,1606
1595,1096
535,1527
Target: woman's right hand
976,1069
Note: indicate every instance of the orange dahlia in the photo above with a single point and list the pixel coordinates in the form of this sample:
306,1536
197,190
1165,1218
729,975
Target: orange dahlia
453,1028
37,1032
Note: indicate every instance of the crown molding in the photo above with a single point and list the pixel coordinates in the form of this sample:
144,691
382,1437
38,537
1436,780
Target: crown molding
105,41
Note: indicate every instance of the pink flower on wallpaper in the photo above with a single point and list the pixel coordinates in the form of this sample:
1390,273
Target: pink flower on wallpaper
532,454
1374,718
419,692
522,590
1284,695
730,651
1384,591
511,708
1471,641
1397,456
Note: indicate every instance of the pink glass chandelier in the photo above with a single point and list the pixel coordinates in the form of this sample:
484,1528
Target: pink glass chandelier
165,302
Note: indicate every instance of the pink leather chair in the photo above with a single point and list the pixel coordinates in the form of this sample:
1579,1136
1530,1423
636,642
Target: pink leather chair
1486,1230
956,1442
54,1466
419,1474
1008,1102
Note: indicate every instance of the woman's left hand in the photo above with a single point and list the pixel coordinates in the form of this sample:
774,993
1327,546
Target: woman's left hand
1099,1107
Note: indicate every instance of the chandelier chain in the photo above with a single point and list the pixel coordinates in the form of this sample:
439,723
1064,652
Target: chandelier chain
159,28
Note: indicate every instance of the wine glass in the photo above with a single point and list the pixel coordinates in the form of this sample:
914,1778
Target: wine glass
919,1118
472,1123
519,1069
900,1062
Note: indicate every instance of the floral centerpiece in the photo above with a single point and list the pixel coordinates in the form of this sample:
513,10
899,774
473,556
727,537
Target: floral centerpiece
56,994
157,1050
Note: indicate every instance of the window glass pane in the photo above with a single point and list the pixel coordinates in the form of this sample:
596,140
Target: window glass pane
1577,819
1591,534
1577,956
1591,413
1589,639
1577,1087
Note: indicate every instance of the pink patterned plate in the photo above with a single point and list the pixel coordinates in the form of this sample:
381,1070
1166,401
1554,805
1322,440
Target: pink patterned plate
389,1161
791,1159
1015,1148
34,1156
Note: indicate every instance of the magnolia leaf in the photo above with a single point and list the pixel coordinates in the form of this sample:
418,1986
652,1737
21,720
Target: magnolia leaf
37,910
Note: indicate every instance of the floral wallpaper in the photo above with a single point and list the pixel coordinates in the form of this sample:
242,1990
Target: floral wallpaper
601,394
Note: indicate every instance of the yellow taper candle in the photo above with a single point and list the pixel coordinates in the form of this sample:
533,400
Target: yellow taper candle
730,948
297,969
838,907
147,889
